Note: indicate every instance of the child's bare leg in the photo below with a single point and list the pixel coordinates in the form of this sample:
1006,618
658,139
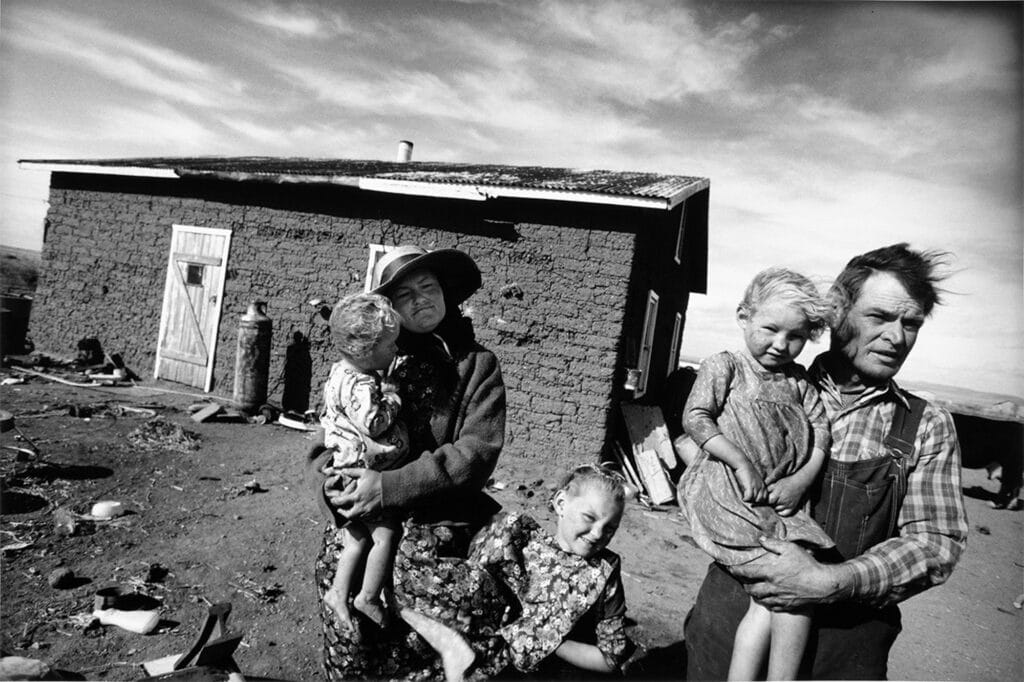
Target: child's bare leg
350,560
790,631
750,647
456,654
377,574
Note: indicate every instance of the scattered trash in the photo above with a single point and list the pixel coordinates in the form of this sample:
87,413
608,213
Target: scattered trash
496,485
293,421
129,409
60,578
251,589
156,573
1018,602
67,522
107,509
206,411
251,488
158,433
140,622
12,381
984,530
20,668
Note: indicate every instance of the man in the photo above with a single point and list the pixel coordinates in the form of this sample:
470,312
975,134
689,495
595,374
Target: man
890,494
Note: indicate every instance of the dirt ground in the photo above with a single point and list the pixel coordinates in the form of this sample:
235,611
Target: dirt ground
225,517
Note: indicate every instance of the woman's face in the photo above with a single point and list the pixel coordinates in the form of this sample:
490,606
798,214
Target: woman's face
419,301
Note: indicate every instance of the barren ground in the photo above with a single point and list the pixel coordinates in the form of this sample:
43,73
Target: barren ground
191,513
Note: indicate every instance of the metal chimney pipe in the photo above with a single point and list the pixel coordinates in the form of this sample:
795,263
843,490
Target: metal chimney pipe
404,151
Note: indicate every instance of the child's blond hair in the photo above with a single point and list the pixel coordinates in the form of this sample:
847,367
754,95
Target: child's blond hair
595,476
359,322
791,288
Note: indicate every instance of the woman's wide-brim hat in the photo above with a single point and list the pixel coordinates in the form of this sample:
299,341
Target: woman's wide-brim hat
458,274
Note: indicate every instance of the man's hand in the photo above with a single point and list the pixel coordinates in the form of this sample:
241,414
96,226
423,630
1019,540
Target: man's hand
786,494
790,578
360,498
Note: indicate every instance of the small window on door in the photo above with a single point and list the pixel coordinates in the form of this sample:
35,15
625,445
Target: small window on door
194,275
647,343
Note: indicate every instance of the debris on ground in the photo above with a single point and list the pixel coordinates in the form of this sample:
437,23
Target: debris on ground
60,578
20,668
67,522
252,487
160,434
252,590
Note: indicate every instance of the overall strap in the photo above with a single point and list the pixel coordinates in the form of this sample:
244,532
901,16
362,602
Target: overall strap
905,422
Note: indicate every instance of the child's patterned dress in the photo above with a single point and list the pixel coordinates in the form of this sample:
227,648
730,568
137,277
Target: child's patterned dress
774,417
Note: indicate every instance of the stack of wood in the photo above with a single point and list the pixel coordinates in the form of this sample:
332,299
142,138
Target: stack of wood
652,462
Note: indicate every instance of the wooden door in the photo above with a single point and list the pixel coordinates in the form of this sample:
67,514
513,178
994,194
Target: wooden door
192,302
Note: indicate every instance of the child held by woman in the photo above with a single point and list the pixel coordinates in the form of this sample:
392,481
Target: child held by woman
361,425
763,435
569,605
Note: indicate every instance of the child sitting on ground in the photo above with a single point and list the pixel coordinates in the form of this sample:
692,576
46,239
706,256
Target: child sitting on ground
361,425
571,605
763,436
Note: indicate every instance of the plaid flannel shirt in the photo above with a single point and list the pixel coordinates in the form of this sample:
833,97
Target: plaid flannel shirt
932,524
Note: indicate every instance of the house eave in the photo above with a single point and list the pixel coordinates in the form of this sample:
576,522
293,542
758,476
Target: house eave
466,192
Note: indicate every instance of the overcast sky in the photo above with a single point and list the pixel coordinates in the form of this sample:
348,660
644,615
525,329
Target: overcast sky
826,129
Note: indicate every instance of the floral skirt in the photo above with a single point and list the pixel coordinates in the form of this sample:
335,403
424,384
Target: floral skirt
432,577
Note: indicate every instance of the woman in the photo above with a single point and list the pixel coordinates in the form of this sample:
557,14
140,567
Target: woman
454,408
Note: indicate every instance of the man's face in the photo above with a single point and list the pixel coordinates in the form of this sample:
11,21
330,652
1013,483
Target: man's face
880,328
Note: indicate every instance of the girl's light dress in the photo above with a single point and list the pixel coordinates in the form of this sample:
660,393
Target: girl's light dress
775,417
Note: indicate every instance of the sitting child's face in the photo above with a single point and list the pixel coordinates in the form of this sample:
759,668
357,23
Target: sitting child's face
587,520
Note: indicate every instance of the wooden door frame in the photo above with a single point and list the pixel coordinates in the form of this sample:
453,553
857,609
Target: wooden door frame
169,283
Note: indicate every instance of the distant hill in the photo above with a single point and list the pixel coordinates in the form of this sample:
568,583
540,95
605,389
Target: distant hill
19,270
964,401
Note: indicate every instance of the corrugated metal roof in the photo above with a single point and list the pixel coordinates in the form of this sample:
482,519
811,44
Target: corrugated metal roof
415,177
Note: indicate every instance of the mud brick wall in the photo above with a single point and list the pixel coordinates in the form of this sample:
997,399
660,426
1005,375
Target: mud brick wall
561,305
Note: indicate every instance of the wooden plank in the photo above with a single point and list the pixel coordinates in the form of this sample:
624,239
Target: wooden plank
188,258
647,431
658,486
627,467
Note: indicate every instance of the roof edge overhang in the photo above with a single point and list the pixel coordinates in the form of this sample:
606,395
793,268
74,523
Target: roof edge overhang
467,192
95,169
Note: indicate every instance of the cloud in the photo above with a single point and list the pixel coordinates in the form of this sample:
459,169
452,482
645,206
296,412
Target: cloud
293,19
90,45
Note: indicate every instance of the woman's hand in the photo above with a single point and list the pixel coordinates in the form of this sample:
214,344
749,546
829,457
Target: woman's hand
360,494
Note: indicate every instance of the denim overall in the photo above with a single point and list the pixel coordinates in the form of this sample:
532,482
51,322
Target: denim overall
858,505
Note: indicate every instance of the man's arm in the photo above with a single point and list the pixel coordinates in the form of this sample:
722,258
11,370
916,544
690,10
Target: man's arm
932,532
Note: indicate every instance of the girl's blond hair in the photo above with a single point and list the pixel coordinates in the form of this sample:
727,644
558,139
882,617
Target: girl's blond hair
791,288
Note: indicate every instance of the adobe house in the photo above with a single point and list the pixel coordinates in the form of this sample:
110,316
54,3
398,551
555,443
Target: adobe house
587,274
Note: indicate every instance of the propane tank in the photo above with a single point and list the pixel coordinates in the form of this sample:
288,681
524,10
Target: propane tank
252,359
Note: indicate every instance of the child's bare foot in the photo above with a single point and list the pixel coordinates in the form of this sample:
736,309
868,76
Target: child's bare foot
337,601
373,608
456,654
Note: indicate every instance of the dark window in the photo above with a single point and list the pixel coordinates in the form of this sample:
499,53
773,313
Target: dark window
194,275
